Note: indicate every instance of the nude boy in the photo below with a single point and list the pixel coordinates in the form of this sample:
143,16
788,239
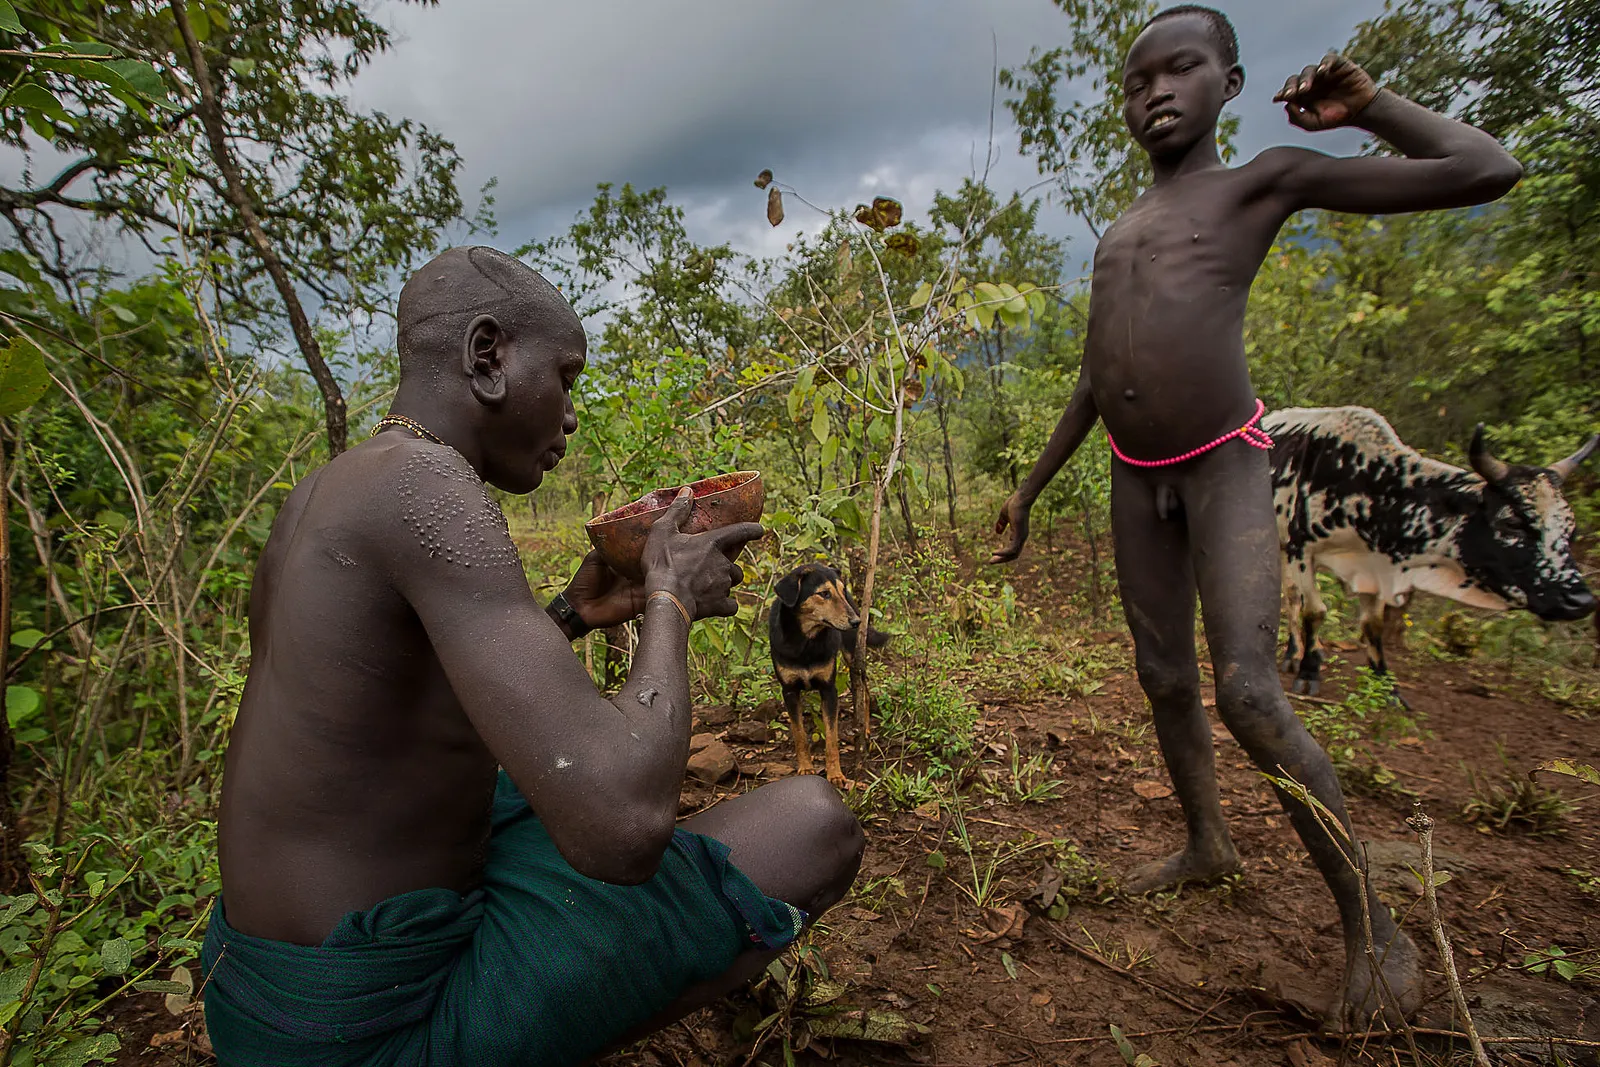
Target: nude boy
1164,367
440,844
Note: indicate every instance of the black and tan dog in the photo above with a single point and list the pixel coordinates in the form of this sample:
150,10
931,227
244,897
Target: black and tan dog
811,622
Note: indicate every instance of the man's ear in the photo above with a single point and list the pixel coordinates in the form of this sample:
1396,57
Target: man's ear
789,589
1233,84
483,360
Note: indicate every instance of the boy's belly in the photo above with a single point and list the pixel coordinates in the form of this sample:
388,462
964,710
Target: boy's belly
1162,404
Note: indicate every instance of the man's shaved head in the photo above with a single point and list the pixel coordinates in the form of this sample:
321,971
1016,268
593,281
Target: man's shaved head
457,286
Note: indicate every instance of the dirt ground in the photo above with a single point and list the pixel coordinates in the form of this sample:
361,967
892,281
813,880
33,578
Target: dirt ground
1232,974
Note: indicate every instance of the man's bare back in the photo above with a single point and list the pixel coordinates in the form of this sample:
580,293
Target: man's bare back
438,839
352,772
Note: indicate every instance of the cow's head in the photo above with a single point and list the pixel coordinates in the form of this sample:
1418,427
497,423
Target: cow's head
1518,543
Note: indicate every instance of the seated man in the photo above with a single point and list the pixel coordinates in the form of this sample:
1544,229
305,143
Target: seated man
440,845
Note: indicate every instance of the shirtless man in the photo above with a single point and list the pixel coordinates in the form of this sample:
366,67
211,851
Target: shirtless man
390,897
1164,366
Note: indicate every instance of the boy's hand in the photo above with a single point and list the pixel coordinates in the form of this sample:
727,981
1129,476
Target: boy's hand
1328,95
1013,513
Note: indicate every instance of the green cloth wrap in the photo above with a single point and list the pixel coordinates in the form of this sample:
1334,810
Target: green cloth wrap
541,966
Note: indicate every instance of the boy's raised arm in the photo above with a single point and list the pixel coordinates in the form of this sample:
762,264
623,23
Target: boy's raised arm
1447,163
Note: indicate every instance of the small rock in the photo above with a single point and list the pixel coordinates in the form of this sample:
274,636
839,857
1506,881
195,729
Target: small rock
716,715
712,763
700,742
749,733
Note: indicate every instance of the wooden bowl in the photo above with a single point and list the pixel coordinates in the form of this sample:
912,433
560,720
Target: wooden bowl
620,534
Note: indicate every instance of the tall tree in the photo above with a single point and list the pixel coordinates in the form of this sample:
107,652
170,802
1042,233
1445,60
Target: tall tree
300,197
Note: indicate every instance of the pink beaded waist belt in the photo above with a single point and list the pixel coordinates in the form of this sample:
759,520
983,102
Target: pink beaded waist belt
1252,435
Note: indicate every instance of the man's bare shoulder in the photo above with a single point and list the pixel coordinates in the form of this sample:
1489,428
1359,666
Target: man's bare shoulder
411,500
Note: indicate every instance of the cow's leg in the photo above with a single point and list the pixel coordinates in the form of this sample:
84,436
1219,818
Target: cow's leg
1156,580
1372,632
1308,679
1374,621
1231,530
1291,613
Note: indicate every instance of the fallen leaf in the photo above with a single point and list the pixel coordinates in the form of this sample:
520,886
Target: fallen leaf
763,179
1001,922
884,1027
1153,790
171,1037
774,206
1039,1000
1050,882
824,992
864,915
178,1003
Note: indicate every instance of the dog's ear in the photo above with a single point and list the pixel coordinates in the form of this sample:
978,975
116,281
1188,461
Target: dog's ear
789,588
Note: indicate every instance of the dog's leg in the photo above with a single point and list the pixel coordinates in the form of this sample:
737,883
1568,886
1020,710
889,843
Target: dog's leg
799,732
830,735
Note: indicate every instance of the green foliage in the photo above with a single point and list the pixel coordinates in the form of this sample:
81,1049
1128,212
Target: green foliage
1557,962
1370,713
929,713
1515,801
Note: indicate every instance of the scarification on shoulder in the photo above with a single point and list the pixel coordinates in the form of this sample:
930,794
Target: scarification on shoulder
449,510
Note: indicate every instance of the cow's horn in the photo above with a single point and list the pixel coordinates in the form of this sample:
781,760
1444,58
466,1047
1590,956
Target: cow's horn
1483,461
1563,468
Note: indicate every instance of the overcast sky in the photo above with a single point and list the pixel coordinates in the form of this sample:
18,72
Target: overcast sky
843,99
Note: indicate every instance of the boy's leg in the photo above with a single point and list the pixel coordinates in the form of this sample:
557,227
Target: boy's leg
1234,539
799,843
1157,586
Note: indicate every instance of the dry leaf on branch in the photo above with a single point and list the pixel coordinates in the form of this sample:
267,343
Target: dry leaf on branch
774,206
883,214
763,179
904,243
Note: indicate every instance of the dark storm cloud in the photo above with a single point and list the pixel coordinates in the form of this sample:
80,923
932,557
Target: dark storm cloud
842,99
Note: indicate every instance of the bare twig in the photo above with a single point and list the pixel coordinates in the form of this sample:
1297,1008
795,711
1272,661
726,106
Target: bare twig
1422,823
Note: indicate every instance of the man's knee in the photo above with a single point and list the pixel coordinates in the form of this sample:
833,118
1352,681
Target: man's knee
826,831
1169,683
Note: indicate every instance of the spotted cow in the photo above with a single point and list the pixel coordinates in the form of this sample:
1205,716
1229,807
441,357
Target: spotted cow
1352,499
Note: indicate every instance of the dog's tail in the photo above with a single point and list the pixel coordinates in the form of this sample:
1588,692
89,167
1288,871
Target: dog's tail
875,638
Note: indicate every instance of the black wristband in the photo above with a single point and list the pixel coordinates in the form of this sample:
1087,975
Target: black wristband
568,616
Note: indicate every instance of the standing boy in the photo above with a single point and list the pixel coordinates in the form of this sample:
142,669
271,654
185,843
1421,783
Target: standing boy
1164,366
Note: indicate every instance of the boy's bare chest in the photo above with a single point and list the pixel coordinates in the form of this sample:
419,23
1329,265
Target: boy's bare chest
1174,237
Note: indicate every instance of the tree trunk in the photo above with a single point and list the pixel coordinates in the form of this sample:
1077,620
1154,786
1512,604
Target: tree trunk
949,461
859,695
13,864
211,117
905,512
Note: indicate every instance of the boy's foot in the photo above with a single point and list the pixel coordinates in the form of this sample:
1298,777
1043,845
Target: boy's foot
1185,866
1366,1008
